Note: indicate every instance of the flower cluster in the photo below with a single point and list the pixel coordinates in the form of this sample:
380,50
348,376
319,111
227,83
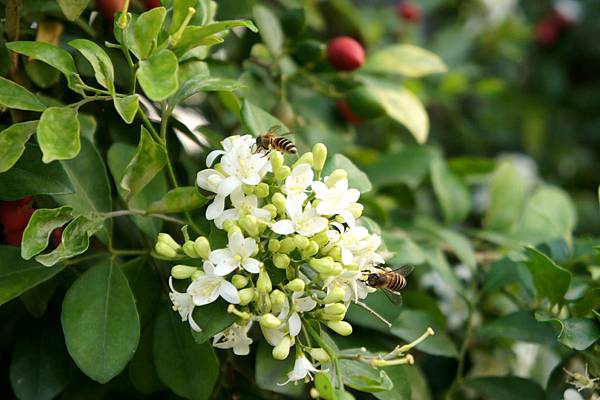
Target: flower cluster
295,251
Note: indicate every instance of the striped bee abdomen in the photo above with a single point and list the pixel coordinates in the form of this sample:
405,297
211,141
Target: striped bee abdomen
284,145
395,282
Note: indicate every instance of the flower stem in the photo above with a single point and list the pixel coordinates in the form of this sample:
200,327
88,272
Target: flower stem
329,351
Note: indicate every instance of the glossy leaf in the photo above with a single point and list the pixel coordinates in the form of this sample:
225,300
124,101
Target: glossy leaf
40,227
141,369
40,367
212,319
58,134
36,299
507,196
519,326
13,95
361,376
181,199
158,75
575,333
194,36
408,166
187,368
72,8
357,179
145,286
256,120
12,143
269,372
148,160
551,281
100,322
402,384
197,84
589,302
127,107
180,12
404,59
142,33
18,275
506,388
452,194
269,29
100,61
411,324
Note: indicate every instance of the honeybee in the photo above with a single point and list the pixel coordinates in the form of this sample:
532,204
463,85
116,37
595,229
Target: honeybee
272,140
390,281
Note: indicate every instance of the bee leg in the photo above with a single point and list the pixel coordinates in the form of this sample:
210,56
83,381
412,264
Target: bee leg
267,153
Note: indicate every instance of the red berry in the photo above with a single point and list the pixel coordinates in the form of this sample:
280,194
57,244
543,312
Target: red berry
408,11
347,113
13,238
546,31
151,3
56,237
15,218
108,8
345,53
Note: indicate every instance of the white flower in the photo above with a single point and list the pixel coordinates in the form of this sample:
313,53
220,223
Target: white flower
358,246
243,165
209,287
299,304
236,337
229,143
237,255
214,181
295,185
336,200
242,205
352,282
306,223
302,369
183,303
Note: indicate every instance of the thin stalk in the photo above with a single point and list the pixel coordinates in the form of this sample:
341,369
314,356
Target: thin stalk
329,351
90,99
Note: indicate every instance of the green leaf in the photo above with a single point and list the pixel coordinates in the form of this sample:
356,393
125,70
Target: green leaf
100,322
12,143
269,372
148,160
269,29
51,55
101,63
551,280
40,226
36,299
506,388
142,33
404,59
575,333
402,384
404,250
75,240
141,369
408,166
40,367
356,178
13,95
452,194
212,319
18,276
158,75
448,239
180,12
29,176
127,107
198,84
361,376
520,326
507,196
401,105
145,286
257,120
194,36
41,74
190,370
589,302
72,8
58,134
506,271
411,324
181,199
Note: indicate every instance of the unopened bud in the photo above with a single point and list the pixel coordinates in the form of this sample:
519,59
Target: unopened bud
249,224
335,253
337,269
301,242
306,158
335,176
273,245
246,296
297,285
319,151
261,190
202,247
247,189
278,299
271,209
319,354
314,393
279,201
165,250
197,274
283,173
340,327
287,245
183,271
334,309
169,241
356,209
336,294
189,249
239,281
281,261
263,283
269,321
263,303
282,350
322,265
276,161
310,250
321,238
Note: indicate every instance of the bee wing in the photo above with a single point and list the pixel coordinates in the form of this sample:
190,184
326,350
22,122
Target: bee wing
394,297
404,270
275,129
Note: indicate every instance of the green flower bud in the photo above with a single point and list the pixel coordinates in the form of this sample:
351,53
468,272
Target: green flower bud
282,173
239,281
310,250
261,190
340,327
335,176
182,271
335,253
301,242
271,209
352,267
281,261
319,151
276,160
247,189
190,250
287,245
169,241
282,350
262,226
269,321
249,224
197,274
297,285
165,250
232,229
336,294
263,283
319,354
321,238
322,265
306,158
279,201
202,247
273,245
278,299
263,303
337,269
334,309
246,296
356,209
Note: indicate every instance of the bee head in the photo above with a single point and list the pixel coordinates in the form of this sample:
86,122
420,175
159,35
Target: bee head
373,280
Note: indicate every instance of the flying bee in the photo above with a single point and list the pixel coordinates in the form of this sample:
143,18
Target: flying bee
390,281
272,140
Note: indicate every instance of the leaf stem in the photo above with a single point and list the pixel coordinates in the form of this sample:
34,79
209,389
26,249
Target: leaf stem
89,99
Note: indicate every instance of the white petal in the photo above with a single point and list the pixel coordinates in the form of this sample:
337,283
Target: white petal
237,197
320,189
283,227
202,179
229,292
216,208
261,214
313,226
248,247
251,265
208,267
305,304
212,156
205,289
347,256
228,185
225,269
348,217
352,195
193,324
231,214
252,180
294,324
236,243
